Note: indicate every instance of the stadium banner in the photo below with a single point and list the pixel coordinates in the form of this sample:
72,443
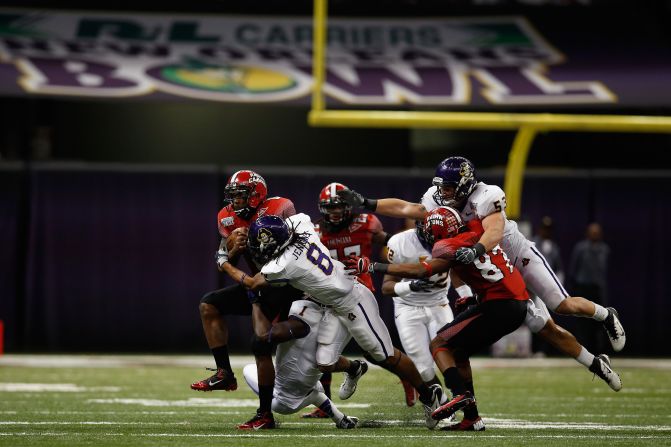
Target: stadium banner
465,62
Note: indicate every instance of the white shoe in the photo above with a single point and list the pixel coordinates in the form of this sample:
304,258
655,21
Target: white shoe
614,330
348,386
348,422
601,367
438,397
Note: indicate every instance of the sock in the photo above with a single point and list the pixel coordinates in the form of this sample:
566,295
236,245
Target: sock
454,381
469,387
353,367
585,357
425,394
322,402
600,312
265,398
326,383
220,354
471,411
330,409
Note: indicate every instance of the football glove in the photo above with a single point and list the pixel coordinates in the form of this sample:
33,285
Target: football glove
466,255
356,200
421,285
358,265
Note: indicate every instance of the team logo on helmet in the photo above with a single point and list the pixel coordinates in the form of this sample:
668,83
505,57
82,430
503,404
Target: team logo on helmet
466,170
264,236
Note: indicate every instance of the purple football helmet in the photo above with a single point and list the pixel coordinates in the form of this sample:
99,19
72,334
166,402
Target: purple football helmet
457,172
268,236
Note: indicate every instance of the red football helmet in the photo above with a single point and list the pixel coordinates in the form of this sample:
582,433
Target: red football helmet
443,223
336,212
248,184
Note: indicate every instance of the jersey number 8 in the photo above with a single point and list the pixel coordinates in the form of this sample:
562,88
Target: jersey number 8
321,260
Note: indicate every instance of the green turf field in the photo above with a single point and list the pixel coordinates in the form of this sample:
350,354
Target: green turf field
146,401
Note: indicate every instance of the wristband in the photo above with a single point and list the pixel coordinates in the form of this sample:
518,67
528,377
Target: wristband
370,204
242,279
380,267
402,289
221,257
479,250
428,268
464,291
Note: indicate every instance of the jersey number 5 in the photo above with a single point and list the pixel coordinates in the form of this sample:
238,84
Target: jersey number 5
321,260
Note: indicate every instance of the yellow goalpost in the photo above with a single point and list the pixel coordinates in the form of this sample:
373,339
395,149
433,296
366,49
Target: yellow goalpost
526,124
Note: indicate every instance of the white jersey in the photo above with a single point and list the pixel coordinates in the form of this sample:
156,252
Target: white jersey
406,248
307,265
296,371
483,201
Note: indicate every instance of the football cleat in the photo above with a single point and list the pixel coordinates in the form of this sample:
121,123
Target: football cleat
476,424
221,380
260,421
601,367
347,422
614,330
317,413
348,386
410,393
457,403
437,396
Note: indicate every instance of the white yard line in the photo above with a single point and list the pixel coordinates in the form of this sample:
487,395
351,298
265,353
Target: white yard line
201,361
339,435
489,422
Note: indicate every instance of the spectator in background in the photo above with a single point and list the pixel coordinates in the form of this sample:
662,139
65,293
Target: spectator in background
549,248
587,270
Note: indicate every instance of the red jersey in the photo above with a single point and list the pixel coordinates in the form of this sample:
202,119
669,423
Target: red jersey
491,276
227,220
355,239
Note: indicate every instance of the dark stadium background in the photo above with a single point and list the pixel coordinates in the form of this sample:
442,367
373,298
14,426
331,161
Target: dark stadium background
107,240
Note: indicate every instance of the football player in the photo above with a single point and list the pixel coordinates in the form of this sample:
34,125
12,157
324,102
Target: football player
455,183
501,309
247,194
419,309
297,374
345,233
292,253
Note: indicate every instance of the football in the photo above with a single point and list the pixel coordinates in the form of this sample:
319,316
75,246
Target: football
239,234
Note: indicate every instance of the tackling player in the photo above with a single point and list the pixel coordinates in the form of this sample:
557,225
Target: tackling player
455,184
501,309
291,253
297,374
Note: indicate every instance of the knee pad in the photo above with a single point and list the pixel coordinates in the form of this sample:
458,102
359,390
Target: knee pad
261,347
